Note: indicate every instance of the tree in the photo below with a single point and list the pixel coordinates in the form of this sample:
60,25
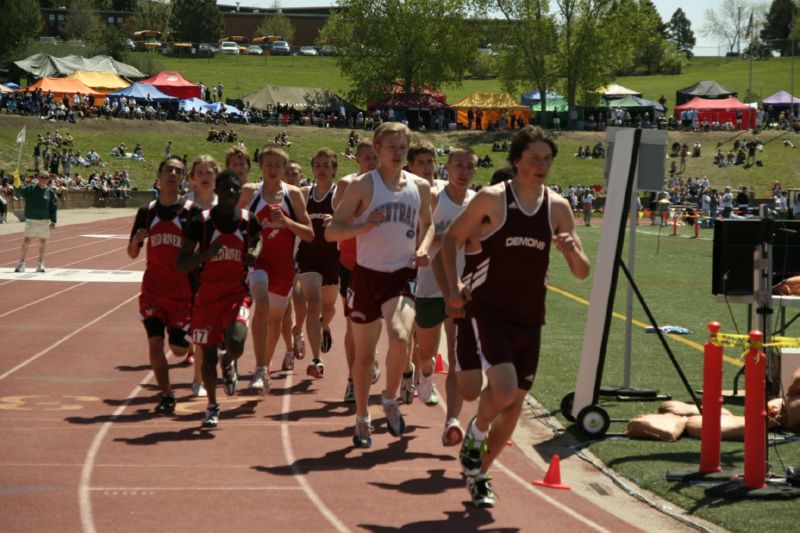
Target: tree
679,30
778,26
149,15
527,55
111,41
81,20
20,23
418,43
196,21
728,24
277,23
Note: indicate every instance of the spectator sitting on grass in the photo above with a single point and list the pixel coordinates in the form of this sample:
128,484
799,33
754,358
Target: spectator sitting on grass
138,153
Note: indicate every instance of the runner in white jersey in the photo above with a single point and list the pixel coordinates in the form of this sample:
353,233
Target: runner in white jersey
202,175
392,212
430,304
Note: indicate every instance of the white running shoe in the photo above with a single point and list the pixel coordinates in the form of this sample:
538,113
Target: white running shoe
211,419
426,390
376,371
199,391
299,346
394,418
40,267
260,380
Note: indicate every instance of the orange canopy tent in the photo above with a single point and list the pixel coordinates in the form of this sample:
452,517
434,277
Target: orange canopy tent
61,86
493,106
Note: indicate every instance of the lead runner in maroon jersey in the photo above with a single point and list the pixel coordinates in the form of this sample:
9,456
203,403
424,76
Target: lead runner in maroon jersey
515,222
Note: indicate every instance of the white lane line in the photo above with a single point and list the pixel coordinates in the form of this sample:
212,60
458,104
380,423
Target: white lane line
288,453
84,498
64,339
189,489
84,259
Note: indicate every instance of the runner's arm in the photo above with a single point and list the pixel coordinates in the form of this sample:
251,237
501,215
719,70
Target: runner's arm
567,241
302,226
187,259
340,228
426,229
138,234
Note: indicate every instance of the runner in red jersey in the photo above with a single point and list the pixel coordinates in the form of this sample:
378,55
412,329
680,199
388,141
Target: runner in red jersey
166,297
227,240
318,260
367,161
515,222
281,212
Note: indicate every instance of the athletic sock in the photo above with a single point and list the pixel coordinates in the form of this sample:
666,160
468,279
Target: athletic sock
477,434
388,402
367,419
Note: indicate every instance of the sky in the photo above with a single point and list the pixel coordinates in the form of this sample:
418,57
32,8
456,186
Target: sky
695,12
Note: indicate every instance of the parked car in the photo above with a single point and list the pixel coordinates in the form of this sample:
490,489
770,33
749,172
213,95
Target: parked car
206,49
281,48
229,48
328,50
48,40
308,51
129,44
254,50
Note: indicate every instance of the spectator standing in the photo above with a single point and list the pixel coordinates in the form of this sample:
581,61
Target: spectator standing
726,202
41,206
168,150
588,200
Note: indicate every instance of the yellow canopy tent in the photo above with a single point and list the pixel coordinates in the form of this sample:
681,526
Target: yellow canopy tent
494,106
105,82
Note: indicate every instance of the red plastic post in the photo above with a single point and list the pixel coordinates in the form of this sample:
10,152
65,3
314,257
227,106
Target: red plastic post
674,225
755,415
712,404
697,226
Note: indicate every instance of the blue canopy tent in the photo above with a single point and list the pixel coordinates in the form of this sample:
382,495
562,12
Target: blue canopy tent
140,91
193,104
13,86
229,109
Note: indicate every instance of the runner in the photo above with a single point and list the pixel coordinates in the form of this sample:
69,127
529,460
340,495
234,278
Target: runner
165,301
237,159
281,211
229,241
430,306
318,260
367,161
392,210
515,222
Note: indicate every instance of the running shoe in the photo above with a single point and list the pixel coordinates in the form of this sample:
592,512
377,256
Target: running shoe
166,406
40,267
363,434
327,341
349,393
471,451
453,433
376,371
407,388
231,378
299,346
394,419
20,267
288,361
481,491
316,369
198,390
260,380
426,390
211,419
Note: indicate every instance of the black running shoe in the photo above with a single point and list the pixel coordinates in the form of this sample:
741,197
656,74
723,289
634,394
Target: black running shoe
231,378
481,491
166,406
211,419
327,341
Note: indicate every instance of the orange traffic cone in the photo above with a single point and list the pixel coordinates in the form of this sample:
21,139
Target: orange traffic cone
439,367
553,477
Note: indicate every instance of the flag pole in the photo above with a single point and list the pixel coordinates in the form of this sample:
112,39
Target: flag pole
750,47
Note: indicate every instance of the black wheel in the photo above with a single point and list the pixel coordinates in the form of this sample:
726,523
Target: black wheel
566,406
593,421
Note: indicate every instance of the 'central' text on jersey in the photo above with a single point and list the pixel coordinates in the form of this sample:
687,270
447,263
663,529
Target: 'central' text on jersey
398,212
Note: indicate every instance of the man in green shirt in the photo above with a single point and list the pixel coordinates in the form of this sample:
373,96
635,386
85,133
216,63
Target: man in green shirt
41,206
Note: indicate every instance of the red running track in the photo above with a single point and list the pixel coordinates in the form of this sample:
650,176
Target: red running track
82,451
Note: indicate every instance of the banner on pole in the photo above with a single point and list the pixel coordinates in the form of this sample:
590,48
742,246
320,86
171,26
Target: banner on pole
21,135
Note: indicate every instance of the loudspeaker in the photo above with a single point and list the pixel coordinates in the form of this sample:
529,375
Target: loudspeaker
734,244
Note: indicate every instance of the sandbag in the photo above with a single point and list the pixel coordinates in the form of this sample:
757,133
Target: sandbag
731,427
792,421
683,409
666,426
789,287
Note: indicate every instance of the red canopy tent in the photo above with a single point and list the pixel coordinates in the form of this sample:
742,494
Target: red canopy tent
65,86
720,110
174,84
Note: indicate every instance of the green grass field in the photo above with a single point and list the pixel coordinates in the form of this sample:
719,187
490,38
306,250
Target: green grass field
674,273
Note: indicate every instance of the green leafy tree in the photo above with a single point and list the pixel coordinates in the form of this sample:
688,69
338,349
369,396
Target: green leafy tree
196,21
778,26
679,30
149,15
110,41
20,23
527,55
277,23
81,20
419,43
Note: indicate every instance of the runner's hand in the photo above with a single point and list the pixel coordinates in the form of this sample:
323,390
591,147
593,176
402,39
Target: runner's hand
374,218
326,220
277,215
422,259
138,238
565,243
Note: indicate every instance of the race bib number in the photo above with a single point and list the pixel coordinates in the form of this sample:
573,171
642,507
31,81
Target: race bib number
200,336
